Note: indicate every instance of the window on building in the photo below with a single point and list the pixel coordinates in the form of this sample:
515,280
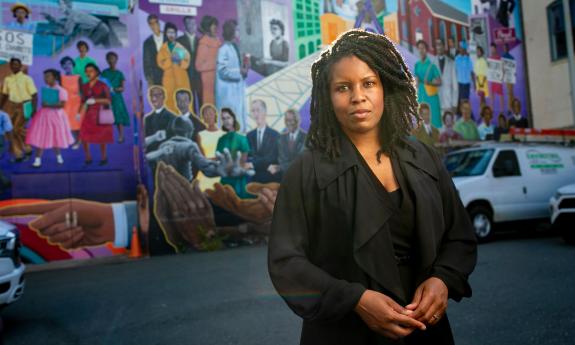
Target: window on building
442,30
311,47
557,25
404,31
453,32
402,8
301,51
463,34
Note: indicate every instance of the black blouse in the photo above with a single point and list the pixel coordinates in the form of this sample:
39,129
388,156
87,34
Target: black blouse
400,203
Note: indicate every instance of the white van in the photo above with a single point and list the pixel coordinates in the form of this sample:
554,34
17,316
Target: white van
500,182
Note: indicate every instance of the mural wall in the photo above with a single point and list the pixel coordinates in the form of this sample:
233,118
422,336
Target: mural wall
209,106
68,167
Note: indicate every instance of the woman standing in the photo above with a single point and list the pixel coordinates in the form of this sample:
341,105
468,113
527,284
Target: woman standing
72,84
95,96
428,82
496,87
480,70
116,80
230,85
369,237
49,128
174,60
209,139
238,145
206,57
83,60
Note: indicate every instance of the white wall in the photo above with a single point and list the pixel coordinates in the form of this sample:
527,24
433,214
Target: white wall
548,81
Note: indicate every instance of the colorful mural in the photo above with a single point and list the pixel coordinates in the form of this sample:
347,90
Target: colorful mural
210,104
69,161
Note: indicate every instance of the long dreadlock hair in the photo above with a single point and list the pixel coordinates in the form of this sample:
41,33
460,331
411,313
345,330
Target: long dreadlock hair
400,103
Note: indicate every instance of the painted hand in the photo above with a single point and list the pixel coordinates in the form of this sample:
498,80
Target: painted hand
69,223
183,211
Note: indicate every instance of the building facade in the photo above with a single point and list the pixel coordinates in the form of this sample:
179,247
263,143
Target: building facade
547,67
428,20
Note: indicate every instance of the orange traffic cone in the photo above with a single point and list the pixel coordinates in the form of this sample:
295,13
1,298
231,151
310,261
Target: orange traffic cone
135,248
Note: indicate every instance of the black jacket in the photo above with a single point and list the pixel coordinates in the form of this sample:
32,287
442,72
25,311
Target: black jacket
152,71
154,122
193,75
262,157
329,241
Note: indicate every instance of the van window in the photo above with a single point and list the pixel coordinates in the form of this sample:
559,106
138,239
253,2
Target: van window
468,163
506,164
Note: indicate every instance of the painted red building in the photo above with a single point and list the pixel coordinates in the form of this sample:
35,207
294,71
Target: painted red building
429,20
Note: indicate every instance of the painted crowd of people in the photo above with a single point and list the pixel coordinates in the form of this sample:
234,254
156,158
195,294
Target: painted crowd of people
444,85
262,150
65,114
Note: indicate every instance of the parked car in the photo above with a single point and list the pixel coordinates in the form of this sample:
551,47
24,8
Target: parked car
500,182
562,206
11,266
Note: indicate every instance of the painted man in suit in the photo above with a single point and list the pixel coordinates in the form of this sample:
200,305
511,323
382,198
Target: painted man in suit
449,87
264,143
158,121
426,133
152,45
290,144
190,41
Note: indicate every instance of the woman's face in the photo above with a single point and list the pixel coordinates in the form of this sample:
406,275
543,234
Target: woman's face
210,116
357,96
422,50
83,50
171,35
479,53
214,29
49,79
68,66
493,51
20,14
112,60
91,73
228,121
276,31
502,122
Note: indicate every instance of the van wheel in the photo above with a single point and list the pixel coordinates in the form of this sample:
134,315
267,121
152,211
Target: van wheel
482,221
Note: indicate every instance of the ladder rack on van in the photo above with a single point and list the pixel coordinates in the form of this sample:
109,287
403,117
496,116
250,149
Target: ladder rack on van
533,135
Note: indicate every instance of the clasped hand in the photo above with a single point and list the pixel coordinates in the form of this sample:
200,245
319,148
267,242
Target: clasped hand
384,316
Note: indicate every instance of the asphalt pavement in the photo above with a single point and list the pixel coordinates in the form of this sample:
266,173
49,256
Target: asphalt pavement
523,294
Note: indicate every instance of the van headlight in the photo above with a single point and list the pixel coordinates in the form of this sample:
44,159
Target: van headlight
10,246
558,195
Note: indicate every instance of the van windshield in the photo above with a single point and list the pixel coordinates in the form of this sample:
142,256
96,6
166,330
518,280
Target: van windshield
468,163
